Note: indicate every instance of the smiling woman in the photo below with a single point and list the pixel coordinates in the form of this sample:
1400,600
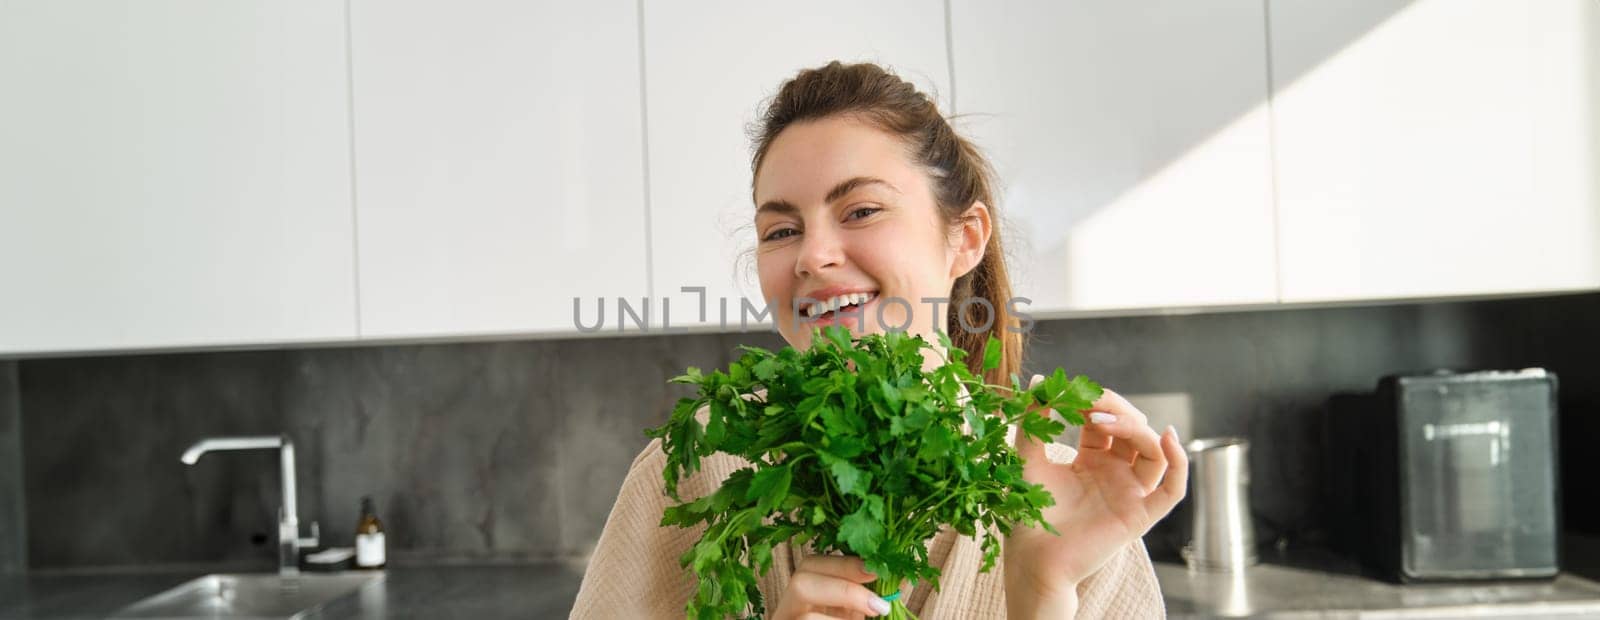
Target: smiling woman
863,187
871,212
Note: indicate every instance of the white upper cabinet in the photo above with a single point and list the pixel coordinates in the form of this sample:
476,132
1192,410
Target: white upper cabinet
1436,148
1131,143
180,174
498,164
709,66
173,174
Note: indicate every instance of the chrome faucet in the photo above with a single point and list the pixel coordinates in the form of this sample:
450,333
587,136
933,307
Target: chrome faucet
289,540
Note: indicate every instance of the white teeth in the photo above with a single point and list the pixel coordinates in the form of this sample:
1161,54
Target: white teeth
837,302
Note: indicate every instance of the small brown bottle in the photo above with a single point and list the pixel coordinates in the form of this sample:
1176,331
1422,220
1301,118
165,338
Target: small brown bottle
370,551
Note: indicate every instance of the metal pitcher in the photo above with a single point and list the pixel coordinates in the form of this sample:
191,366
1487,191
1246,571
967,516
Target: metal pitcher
1224,538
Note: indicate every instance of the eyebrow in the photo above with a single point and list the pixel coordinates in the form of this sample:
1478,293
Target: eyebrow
839,191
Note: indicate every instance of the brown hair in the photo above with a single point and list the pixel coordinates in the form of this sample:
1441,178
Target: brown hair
960,175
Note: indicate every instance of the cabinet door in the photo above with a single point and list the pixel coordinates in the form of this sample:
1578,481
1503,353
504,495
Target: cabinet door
709,66
1436,148
173,174
498,164
1131,142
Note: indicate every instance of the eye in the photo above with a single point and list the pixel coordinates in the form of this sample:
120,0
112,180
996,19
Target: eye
868,210
778,234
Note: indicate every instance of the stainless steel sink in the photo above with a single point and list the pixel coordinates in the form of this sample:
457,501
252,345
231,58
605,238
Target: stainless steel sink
257,595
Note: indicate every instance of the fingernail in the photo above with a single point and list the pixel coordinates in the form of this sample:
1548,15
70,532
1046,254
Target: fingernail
1101,417
1174,430
879,605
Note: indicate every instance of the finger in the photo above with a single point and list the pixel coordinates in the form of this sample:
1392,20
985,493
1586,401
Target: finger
819,590
1134,435
1124,451
1032,450
840,612
1161,501
846,567
1149,472
1112,425
1138,452
1114,404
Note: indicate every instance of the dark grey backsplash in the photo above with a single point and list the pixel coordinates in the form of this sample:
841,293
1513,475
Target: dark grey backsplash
1267,375
13,527
514,450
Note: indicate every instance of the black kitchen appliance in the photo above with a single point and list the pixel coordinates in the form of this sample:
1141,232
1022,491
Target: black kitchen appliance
1447,476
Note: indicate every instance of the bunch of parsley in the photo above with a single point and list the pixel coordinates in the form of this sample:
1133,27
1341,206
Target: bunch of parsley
855,449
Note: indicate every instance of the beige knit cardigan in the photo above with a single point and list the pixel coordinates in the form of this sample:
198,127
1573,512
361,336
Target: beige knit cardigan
634,570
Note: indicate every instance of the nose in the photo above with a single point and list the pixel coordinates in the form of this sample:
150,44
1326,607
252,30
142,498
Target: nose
820,249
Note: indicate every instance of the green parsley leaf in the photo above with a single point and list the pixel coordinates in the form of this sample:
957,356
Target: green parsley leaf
861,531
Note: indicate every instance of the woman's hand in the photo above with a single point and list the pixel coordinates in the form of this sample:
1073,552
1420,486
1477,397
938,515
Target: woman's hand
830,586
1124,479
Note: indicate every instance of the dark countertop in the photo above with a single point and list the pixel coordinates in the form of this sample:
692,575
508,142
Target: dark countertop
494,591
1276,591
1309,583
1309,587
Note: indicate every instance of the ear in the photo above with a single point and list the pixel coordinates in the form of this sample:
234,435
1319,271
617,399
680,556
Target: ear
970,238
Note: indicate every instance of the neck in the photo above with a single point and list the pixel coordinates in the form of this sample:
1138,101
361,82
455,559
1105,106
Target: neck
935,356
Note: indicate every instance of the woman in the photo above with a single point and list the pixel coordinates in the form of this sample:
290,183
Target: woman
863,190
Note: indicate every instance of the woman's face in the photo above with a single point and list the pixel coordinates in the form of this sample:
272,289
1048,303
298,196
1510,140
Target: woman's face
842,209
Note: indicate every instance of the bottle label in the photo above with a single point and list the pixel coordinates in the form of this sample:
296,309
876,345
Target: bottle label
369,549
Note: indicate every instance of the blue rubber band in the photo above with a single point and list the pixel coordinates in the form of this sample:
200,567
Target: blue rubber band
891,598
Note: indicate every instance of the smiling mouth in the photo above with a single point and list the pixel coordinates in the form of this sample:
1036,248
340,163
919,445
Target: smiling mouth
851,306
